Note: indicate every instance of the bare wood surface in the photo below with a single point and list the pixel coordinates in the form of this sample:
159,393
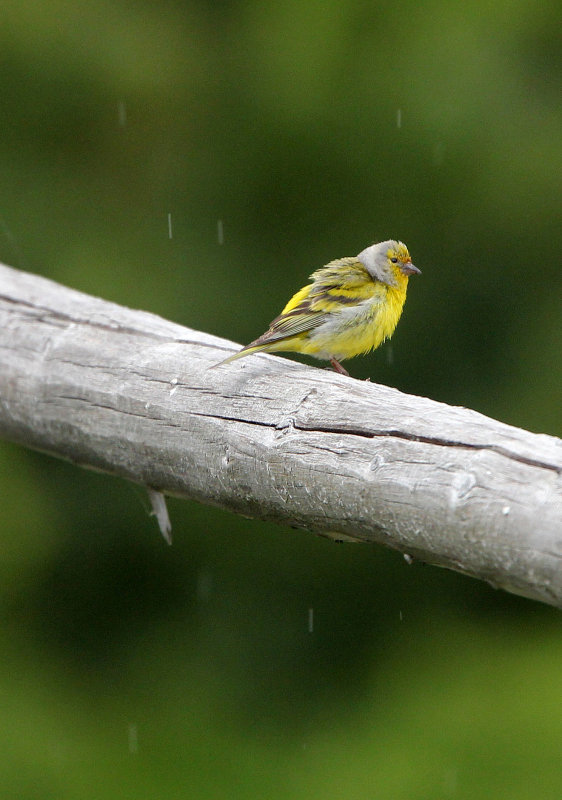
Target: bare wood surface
131,394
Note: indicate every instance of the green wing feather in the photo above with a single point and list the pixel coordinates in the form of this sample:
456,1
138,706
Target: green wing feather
332,288
303,316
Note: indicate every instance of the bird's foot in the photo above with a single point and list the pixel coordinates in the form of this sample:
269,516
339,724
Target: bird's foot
338,367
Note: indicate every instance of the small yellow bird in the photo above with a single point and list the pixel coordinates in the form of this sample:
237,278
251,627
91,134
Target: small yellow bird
351,307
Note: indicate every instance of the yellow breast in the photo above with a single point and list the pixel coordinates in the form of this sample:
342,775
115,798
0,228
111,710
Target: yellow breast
390,311
360,330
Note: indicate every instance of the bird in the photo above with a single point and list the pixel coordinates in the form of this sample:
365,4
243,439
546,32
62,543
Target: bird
351,306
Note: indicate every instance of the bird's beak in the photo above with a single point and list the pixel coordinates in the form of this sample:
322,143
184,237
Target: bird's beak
409,269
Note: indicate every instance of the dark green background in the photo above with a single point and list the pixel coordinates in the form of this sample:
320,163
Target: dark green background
310,129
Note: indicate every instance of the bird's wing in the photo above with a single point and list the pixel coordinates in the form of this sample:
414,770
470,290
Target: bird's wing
301,314
314,304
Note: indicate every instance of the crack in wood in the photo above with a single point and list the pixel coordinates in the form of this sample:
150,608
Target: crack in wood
395,434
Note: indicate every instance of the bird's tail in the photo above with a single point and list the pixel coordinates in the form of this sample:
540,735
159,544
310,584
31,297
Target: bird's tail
245,351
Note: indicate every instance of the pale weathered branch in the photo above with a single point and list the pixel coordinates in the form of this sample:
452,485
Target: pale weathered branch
131,394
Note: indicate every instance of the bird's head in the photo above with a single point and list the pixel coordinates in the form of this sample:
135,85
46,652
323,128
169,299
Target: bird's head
388,262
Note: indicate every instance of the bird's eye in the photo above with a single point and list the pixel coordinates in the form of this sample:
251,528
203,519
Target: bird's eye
394,260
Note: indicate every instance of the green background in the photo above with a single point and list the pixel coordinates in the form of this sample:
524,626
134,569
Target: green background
308,129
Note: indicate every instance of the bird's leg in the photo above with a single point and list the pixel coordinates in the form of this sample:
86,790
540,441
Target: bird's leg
338,367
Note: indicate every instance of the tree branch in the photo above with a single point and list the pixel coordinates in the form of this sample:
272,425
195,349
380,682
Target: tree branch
129,393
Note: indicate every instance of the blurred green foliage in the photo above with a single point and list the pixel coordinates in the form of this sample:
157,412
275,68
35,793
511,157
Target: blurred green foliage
308,130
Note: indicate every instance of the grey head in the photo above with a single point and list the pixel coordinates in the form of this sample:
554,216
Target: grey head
384,261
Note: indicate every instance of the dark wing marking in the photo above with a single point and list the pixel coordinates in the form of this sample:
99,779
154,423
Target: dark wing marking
288,325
